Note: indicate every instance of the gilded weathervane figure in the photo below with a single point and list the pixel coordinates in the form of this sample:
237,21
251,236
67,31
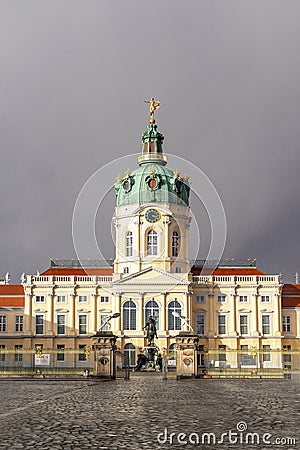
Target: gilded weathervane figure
154,105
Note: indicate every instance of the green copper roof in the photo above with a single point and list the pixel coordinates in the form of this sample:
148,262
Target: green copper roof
152,181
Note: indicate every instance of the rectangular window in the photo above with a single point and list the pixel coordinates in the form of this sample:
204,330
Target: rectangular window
40,299
200,356
60,356
82,324
129,243
39,324
104,299
243,298
152,243
266,353
81,356
266,329
19,324
2,354
61,324
287,357
200,324
286,324
18,353
61,299
200,299
221,298
175,244
221,324
103,319
82,299
3,321
222,353
244,324
265,298
244,354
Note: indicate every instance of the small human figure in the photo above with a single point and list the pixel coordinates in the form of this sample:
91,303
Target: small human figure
159,361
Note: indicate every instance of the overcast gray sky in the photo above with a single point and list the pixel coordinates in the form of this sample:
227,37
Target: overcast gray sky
73,78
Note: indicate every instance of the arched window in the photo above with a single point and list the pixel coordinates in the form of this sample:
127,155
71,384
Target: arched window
129,315
174,321
152,243
152,309
175,243
129,242
129,355
126,270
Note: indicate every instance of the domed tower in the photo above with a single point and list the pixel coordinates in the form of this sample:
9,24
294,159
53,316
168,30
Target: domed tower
152,211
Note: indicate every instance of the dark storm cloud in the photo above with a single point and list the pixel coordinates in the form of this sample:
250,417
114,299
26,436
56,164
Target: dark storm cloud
73,79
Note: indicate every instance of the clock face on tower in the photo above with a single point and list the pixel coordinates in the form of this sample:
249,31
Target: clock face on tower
152,215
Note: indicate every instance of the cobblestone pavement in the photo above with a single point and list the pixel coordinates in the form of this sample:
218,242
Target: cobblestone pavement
81,415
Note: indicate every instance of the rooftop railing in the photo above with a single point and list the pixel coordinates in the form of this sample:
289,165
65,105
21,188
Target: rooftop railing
236,279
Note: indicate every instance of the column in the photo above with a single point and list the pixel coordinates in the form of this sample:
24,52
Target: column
73,313
163,322
29,324
51,327
140,316
190,314
117,308
254,314
167,250
94,313
278,313
211,312
232,315
185,310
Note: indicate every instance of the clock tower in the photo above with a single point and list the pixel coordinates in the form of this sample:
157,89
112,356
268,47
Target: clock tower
152,213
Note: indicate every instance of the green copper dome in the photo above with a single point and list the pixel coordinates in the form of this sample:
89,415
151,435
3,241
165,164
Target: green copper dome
152,181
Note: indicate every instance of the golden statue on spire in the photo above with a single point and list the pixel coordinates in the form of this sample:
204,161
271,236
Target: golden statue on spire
154,105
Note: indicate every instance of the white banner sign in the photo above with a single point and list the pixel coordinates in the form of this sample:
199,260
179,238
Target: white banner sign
43,360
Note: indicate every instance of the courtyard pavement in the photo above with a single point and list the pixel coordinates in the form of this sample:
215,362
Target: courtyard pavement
143,412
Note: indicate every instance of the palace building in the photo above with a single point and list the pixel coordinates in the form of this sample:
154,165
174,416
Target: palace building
245,319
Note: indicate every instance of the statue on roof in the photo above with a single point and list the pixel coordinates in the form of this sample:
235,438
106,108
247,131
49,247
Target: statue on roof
23,278
154,105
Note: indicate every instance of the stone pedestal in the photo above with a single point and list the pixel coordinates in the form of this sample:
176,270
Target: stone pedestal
104,347
186,346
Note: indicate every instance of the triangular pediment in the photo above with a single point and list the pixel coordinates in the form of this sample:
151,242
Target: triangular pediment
152,276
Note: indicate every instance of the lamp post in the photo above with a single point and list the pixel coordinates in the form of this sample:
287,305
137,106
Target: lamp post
108,319
164,364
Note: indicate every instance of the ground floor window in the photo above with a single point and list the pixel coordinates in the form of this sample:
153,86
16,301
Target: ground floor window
82,353
200,356
129,355
222,353
2,355
287,357
266,353
18,353
60,356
